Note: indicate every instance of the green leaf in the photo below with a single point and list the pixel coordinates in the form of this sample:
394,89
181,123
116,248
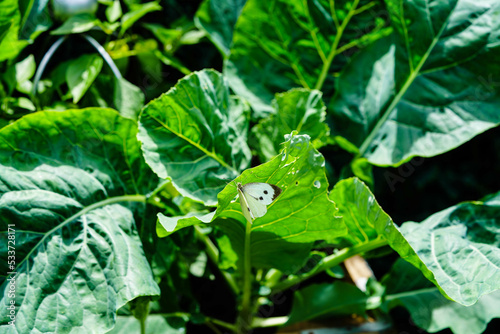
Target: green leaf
326,300
168,225
81,73
369,224
430,310
426,90
114,11
65,181
136,12
196,135
460,247
25,69
170,38
301,215
217,18
128,99
77,24
279,45
10,18
119,94
299,109
362,169
455,249
192,37
363,216
19,103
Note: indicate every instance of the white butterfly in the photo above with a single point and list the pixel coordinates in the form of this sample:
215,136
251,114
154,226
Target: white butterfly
255,197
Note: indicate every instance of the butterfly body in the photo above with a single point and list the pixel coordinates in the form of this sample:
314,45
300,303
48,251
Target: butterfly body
255,197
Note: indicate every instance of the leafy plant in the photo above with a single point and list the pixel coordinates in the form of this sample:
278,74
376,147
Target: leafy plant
117,220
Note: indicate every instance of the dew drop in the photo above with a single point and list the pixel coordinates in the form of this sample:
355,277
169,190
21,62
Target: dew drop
317,184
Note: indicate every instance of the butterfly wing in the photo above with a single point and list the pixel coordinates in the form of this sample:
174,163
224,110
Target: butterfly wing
257,208
264,193
254,198
245,208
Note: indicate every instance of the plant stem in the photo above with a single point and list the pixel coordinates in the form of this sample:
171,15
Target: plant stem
143,325
333,50
244,320
329,262
213,327
269,322
221,323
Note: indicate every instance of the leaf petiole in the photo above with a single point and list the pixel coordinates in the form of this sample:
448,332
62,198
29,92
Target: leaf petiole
329,262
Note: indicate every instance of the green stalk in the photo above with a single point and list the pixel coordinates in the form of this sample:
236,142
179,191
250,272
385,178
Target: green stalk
270,322
335,45
329,262
245,316
221,323
143,325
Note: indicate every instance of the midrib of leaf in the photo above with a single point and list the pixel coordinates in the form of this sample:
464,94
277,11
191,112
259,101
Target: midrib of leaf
333,50
412,293
108,201
284,45
409,81
436,261
26,14
461,61
201,148
407,39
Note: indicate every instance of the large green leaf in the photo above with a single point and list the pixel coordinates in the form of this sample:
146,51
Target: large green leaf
299,109
326,300
196,134
301,215
368,225
65,181
460,245
10,18
430,310
217,18
456,249
279,45
427,89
